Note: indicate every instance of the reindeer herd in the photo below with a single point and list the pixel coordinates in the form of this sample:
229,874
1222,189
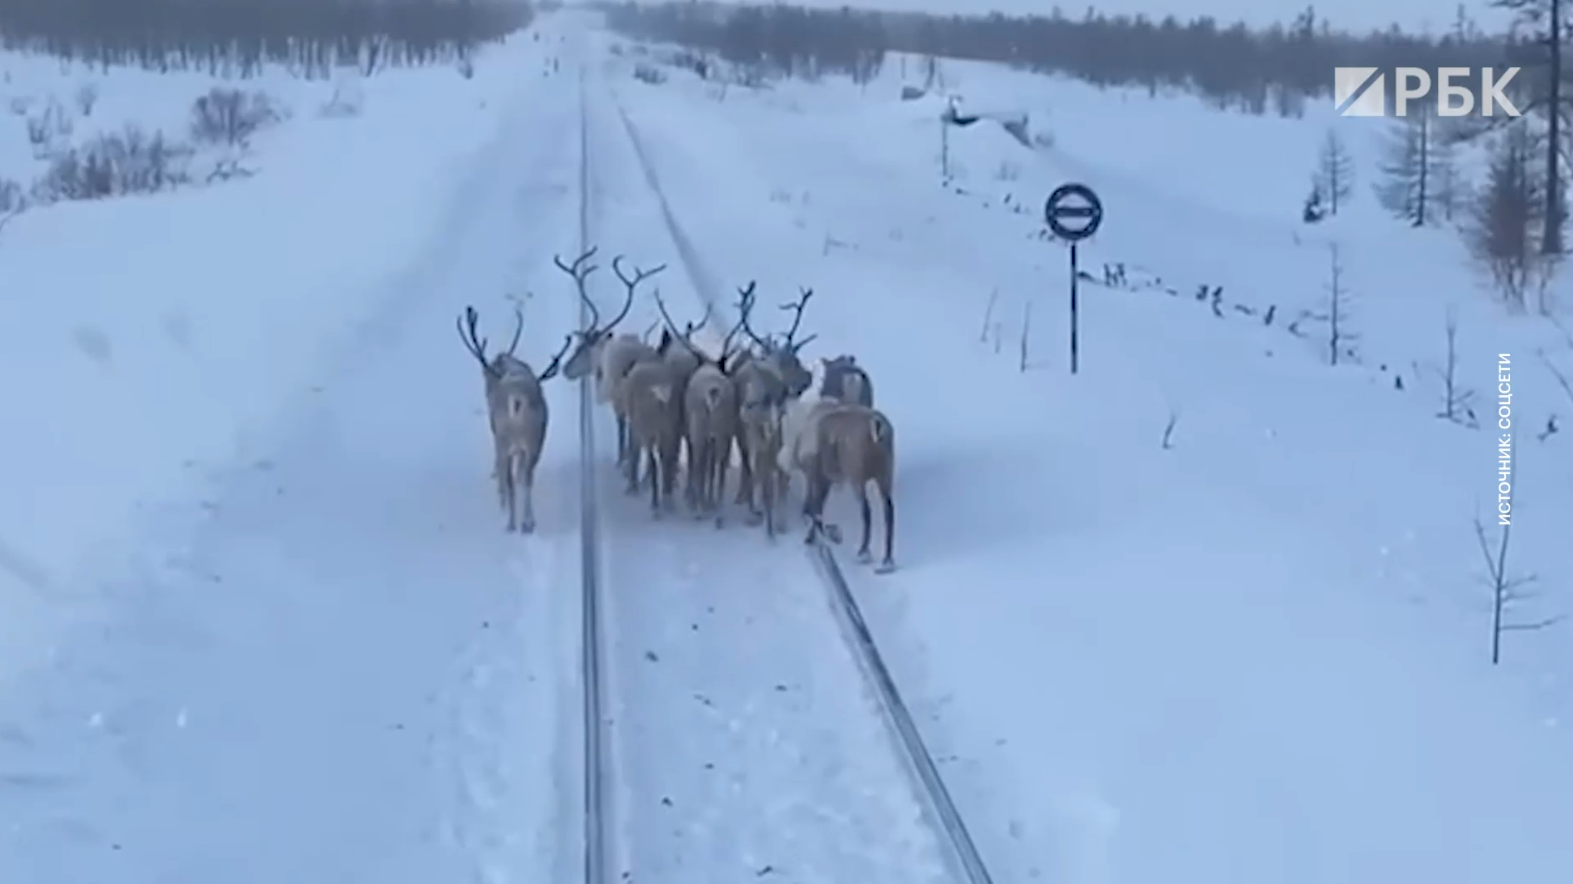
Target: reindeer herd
682,410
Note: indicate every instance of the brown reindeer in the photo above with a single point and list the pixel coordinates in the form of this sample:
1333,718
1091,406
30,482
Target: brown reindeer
855,445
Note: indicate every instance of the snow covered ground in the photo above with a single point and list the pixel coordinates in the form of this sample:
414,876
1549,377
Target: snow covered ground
1259,654
258,621
270,628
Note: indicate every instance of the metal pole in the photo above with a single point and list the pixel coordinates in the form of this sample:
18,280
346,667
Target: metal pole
944,150
1073,308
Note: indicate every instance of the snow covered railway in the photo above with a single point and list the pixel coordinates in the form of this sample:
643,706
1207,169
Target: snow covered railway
737,720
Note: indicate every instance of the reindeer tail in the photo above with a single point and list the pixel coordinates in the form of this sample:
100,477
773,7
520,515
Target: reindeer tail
713,396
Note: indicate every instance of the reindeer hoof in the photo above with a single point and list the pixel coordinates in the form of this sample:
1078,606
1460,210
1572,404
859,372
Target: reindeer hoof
527,527
864,557
885,567
833,532
720,522
753,520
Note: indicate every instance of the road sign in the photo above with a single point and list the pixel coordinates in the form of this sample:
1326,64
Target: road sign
1073,212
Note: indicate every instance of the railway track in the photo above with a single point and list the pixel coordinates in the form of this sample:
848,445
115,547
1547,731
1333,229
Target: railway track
738,716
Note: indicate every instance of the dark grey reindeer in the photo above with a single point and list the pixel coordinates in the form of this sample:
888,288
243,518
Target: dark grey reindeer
845,381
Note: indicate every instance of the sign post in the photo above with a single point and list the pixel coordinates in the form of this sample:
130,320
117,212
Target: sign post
1074,213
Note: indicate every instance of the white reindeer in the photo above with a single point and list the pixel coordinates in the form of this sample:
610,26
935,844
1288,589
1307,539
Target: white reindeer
518,415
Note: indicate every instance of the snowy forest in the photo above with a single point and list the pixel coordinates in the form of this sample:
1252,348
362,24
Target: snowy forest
1511,217
233,37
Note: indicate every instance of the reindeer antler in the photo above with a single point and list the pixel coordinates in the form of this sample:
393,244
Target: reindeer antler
580,270
745,306
518,329
630,285
703,321
685,337
796,308
472,341
551,370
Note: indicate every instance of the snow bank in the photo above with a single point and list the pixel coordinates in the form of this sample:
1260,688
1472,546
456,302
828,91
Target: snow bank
146,342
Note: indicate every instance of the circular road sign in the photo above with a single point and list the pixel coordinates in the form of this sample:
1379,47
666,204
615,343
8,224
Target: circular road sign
1073,212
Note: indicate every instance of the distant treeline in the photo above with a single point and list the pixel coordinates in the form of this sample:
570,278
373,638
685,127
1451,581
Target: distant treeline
238,36
1232,66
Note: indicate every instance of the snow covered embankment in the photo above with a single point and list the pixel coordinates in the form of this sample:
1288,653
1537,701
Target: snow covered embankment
147,341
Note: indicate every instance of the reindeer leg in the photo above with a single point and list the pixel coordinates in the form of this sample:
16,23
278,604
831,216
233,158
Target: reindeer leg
751,491
745,482
769,486
668,456
631,471
889,563
623,442
511,492
497,471
718,482
692,490
867,514
814,508
527,524
699,478
655,481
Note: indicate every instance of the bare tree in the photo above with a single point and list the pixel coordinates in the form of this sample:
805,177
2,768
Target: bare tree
1340,340
1449,189
1543,20
1506,591
1407,186
1456,401
1503,234
1231,67
1335,172
237,38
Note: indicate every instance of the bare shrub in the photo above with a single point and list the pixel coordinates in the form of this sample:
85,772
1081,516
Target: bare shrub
115,164
347,101
1504,231
231,116
12,197
86,99
50,130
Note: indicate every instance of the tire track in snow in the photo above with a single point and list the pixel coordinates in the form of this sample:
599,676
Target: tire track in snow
744,740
